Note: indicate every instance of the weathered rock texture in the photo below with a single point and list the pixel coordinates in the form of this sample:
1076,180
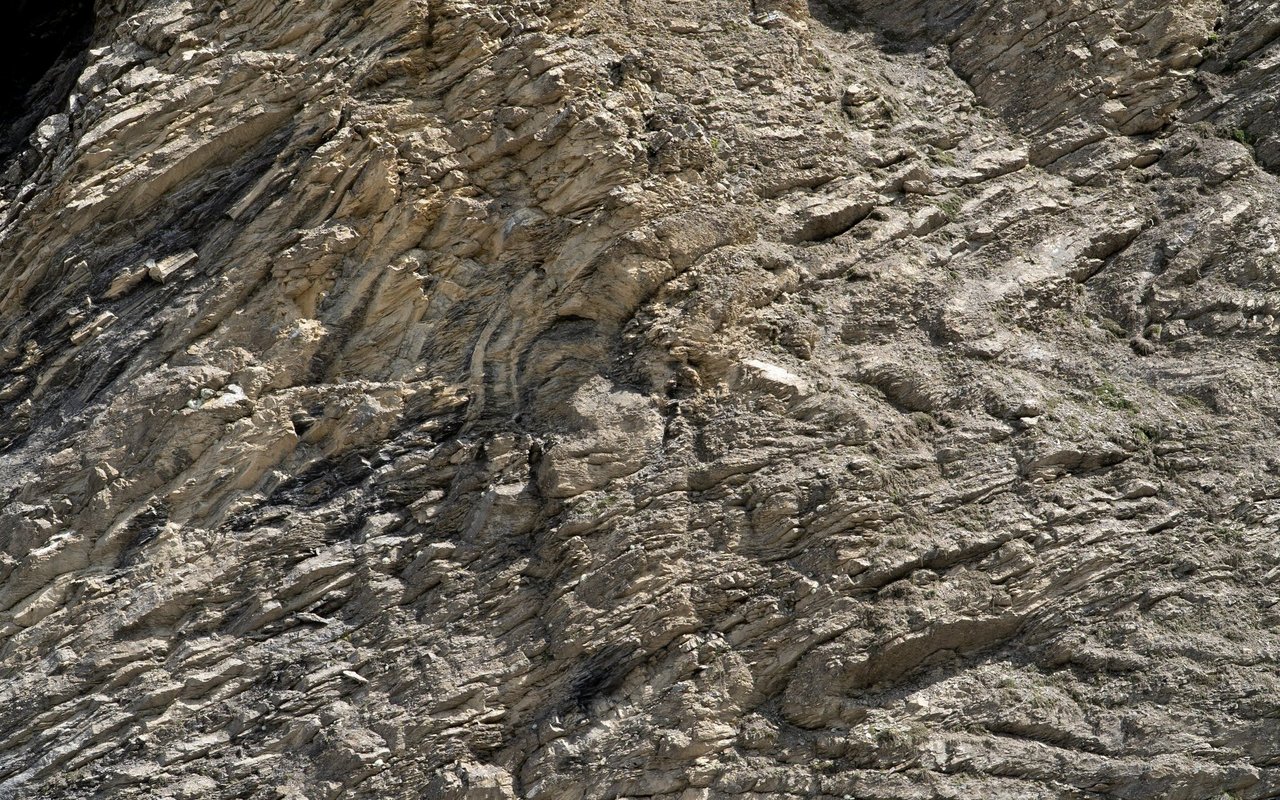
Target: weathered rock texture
632,398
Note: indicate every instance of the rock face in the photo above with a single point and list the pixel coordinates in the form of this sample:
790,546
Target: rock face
621,398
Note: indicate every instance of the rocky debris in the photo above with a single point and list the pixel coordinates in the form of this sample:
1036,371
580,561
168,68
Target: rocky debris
671,400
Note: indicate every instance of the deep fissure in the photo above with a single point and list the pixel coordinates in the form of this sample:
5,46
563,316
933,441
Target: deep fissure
41,52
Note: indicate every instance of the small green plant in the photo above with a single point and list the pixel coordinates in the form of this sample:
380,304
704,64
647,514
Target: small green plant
1242,136
892,736
1190,402
1112,327
1039,698
1112,398
945,157
950,207
1230,535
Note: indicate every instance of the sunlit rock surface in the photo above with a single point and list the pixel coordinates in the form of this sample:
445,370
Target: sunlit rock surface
631,398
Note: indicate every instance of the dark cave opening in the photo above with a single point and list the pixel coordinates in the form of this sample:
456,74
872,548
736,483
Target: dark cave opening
42,50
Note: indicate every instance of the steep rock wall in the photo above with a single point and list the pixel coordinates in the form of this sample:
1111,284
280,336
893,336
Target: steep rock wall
426,398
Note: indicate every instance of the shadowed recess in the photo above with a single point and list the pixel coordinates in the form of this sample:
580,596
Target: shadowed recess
41,50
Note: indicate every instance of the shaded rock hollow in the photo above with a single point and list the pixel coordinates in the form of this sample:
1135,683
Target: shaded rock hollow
604,399
43,45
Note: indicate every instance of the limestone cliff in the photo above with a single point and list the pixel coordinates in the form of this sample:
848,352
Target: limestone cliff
575,399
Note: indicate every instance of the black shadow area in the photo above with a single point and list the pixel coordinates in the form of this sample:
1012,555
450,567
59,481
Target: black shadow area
42,49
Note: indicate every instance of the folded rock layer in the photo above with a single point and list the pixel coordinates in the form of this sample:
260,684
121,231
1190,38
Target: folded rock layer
620,399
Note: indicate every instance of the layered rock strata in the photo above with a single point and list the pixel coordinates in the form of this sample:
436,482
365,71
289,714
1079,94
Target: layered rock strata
618,399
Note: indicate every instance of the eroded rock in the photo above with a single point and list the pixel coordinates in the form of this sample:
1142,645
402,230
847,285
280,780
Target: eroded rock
606,399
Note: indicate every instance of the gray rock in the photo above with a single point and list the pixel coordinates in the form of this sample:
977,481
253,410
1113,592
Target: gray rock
619,399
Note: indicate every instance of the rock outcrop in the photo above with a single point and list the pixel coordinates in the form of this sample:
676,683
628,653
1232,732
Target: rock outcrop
625,398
